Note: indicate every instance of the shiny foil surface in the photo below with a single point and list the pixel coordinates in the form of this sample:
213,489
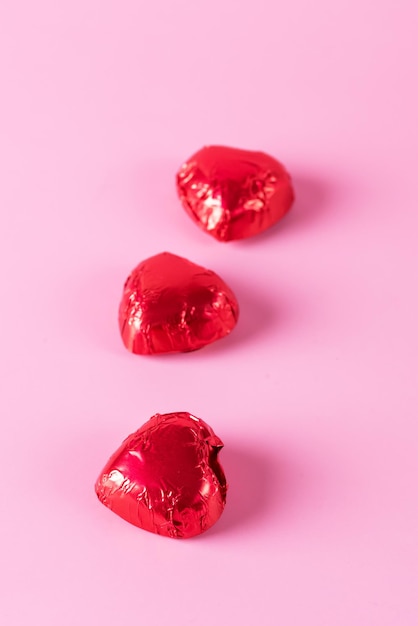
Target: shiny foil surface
166,477
232,193
170,304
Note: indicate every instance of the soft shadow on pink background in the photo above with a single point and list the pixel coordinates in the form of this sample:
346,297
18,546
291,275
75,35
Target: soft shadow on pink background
314,394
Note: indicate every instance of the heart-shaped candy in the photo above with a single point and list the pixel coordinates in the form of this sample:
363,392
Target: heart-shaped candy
172,305
166,477
232,193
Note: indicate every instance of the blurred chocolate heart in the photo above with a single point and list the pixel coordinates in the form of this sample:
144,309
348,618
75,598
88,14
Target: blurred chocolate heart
170,304
232,193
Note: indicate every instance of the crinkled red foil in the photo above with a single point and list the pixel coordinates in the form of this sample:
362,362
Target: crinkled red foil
170,304
232,193
166,477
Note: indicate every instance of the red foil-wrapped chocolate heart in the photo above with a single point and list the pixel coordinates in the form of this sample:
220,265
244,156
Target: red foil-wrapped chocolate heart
233,194
166,477
170,304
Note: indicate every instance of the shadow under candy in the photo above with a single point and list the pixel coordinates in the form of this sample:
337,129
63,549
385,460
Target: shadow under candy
252,479
264,483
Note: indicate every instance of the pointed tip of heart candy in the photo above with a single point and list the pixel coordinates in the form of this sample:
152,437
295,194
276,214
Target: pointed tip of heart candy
166,477
170,304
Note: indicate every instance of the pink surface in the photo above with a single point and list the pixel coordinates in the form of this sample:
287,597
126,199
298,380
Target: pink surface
314,394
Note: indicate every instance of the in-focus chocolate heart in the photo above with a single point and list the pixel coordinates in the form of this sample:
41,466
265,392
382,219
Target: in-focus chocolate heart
232,193
170,304
166,477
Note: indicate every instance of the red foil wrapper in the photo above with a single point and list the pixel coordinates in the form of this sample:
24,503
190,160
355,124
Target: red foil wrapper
172,305
166,477
233,194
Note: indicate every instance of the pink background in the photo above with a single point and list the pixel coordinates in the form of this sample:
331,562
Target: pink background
315,393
